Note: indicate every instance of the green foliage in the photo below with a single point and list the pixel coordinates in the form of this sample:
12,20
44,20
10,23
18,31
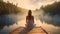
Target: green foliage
8,8
53,8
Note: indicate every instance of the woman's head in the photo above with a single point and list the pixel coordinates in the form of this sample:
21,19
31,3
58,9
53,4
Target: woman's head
29,13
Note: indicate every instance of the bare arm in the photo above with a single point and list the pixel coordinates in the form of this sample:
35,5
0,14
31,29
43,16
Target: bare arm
33,19
26,19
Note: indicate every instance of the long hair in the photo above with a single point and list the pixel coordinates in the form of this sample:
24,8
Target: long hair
29,13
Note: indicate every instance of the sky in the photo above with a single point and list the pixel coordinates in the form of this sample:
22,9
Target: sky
31,4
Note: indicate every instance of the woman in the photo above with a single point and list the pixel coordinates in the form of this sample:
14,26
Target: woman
29,19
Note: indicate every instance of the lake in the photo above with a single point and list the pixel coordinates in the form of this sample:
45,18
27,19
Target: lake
10,22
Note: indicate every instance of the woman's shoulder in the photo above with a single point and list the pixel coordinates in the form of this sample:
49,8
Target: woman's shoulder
32,16
29,16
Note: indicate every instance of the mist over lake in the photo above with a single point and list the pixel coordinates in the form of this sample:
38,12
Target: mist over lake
46,14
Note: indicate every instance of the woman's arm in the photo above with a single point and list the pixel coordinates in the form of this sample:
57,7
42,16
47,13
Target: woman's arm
26,19
33,19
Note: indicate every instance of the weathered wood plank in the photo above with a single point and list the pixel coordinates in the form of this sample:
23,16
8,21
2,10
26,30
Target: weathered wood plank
35,30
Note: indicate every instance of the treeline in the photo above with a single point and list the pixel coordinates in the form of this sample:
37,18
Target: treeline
52,9
8,8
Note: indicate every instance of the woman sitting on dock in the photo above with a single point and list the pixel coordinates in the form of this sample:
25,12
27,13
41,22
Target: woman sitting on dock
29,20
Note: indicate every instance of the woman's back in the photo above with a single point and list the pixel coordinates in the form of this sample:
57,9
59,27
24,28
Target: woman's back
30,19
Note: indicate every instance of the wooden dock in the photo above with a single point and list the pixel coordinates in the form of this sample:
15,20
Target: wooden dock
23,30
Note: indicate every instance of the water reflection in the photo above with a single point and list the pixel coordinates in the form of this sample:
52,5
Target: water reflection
49,19
12,20
6,20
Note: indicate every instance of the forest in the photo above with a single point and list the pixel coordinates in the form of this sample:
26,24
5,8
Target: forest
8,8
52,9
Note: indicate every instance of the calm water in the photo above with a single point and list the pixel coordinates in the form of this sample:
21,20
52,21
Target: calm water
10,22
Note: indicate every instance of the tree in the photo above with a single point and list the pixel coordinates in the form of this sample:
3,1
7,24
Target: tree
52,9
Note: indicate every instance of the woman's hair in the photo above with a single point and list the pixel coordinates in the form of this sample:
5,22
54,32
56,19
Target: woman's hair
29,13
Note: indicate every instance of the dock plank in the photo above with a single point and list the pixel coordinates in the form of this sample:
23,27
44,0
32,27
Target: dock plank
35,30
